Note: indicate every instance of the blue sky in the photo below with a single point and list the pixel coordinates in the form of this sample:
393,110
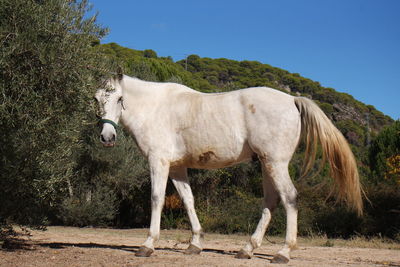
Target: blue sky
352,46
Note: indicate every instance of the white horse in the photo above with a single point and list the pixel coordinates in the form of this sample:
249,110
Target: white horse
177,128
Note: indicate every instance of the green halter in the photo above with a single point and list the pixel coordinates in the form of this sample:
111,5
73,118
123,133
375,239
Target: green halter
110,122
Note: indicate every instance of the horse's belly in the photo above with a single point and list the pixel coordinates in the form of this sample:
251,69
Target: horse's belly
215,137
212,157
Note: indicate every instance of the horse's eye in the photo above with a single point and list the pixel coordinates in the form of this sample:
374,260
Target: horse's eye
99,114
120,99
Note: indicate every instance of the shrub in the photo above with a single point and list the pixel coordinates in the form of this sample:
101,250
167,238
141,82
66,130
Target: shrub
90,208
48,75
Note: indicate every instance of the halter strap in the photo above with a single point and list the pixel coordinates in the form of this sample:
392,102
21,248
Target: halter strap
110,122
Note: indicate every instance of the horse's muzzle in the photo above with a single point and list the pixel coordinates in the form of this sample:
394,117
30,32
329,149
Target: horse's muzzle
107,141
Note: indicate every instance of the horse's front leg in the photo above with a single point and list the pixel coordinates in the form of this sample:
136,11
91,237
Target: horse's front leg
159,175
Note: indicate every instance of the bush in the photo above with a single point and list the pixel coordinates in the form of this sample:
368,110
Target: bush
120,173
48,75
238,213
90,208
384,155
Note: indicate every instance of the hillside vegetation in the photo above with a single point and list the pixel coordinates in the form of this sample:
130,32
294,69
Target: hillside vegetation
53,169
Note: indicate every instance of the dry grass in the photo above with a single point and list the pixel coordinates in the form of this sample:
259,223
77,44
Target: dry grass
321,241
355,242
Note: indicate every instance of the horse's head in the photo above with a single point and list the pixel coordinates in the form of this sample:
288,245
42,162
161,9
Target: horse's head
110,109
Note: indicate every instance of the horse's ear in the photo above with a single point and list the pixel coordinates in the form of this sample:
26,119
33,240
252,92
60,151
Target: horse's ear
120,73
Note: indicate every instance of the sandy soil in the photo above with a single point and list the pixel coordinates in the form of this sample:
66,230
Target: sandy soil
64,246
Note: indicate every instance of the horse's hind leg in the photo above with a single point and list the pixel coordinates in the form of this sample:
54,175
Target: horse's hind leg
288,195
181,182
271,199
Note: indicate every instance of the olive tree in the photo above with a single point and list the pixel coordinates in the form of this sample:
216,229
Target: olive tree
49,72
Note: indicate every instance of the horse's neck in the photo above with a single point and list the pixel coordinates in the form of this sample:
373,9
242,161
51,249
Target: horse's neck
143,91
141,98
134,86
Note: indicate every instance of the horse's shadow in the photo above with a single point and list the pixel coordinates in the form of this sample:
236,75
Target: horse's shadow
60,245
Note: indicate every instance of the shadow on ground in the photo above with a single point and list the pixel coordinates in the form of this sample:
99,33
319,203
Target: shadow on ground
58,245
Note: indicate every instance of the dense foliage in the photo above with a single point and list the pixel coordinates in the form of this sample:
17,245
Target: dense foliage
46,82
384,155
53,169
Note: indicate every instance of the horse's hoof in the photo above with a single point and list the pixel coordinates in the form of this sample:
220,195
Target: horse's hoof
192,250
144,252
280,259
242,254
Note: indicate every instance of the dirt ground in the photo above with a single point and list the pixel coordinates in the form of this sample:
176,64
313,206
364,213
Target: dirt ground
67,246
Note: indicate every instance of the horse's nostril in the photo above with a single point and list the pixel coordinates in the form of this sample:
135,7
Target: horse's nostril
102,139
113,138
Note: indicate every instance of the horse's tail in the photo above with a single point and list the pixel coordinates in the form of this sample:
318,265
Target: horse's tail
317,128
